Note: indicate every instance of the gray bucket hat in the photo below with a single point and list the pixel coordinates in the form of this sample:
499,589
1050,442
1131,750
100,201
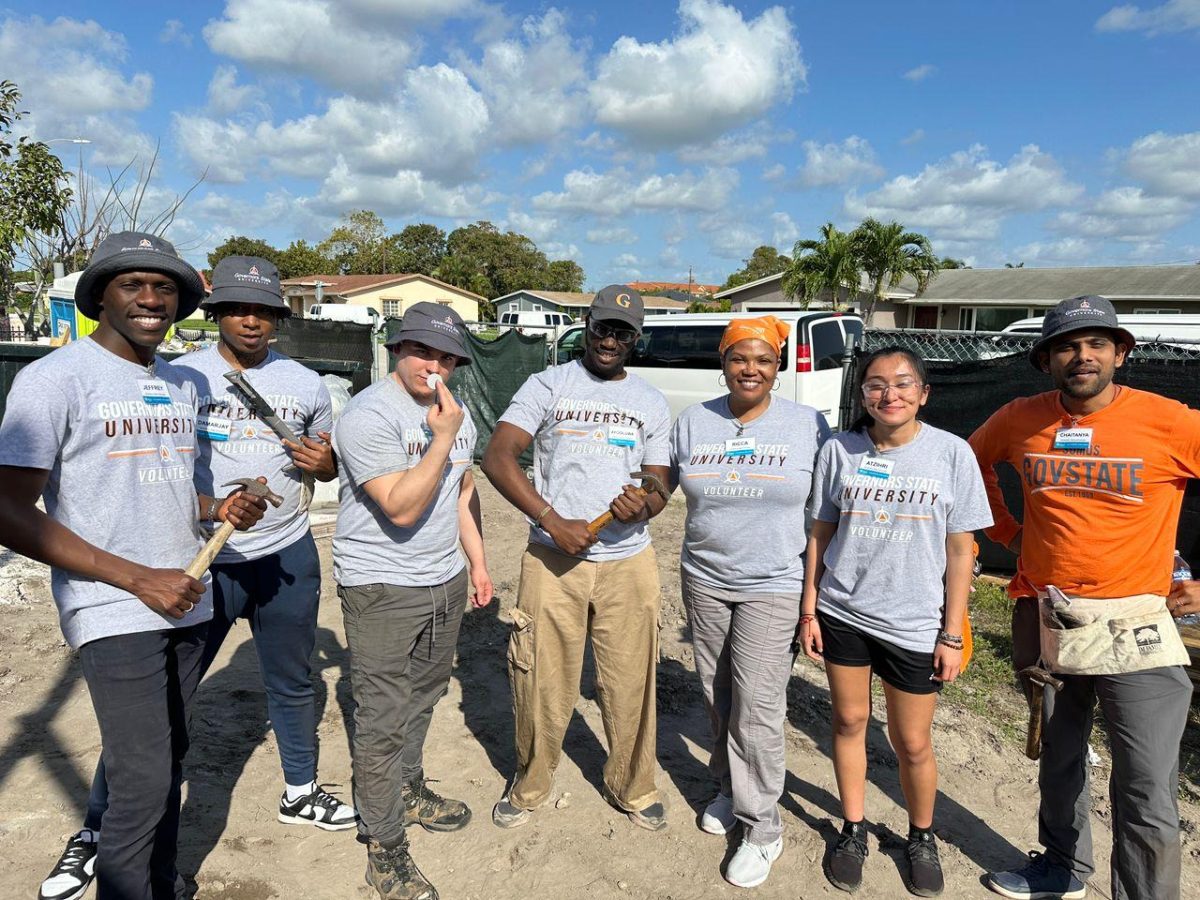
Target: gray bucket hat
132,251
1078,314
435,326
247,279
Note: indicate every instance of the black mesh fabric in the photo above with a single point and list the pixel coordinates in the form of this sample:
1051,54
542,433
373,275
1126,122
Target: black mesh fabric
321,339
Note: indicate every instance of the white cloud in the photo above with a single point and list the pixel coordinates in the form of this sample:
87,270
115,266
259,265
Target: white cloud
718,73
967,195
920,73
729,149
1167,164
787,232
402,193
226,96
1172,16
533,86
851,161
174,32
1066,250
731,239
538,228
435,124
775,173
616,192
1126,214
626,261
613,235
311,38
913,137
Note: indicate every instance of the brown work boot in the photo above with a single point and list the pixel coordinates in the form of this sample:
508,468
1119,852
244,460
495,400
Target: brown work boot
430,810
394,874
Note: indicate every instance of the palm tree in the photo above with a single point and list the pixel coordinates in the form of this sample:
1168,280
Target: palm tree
828,264
887,253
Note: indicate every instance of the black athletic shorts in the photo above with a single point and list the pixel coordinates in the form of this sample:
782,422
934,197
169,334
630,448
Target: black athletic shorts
905,670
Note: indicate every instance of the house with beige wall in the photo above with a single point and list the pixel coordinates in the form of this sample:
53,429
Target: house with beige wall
388,295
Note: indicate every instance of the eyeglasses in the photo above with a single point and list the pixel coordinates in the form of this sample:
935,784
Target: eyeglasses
601,331
876,389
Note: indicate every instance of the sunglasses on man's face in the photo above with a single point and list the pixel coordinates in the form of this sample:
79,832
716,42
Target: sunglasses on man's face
602,330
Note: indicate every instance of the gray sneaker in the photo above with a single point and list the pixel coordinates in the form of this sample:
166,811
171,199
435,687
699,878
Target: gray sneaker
1039,878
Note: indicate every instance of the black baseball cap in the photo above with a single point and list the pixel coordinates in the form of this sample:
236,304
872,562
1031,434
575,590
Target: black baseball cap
247,279
620,302
134,251
1079,314
436,326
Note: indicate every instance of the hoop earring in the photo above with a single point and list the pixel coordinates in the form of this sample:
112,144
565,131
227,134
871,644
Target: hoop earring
721,380
775,385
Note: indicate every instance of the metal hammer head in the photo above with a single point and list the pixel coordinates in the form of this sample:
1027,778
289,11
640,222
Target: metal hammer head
256,488
1038,675
651,484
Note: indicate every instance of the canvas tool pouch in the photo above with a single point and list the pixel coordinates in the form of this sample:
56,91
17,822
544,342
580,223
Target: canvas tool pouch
1111,636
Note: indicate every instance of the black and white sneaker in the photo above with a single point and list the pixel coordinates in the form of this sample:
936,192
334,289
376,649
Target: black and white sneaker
75,870
319,808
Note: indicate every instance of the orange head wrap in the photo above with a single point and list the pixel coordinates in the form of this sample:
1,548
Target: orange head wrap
763,328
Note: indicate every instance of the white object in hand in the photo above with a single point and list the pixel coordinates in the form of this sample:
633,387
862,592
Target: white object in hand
433,380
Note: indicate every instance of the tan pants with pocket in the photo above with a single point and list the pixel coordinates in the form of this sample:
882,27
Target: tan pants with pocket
562,600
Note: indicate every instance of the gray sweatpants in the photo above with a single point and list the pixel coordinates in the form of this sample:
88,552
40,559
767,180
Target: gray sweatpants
742,647
1146,713
402,642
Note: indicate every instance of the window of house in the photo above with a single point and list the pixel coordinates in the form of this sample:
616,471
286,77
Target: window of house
1156,310
445,302
391,308
990,318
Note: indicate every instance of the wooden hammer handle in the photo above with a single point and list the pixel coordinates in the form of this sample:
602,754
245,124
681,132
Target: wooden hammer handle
204,558
1033,736
603,520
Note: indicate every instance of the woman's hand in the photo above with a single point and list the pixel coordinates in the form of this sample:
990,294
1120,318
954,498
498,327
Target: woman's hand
947,663
809,637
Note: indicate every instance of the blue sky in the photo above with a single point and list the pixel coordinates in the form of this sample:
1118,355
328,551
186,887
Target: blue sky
642,138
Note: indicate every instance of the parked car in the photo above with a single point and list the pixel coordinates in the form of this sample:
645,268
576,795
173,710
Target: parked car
345,312
535,322
678,355
1158,328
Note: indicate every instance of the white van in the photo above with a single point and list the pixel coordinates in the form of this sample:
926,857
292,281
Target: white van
345,312
678,355
1158,328
535,322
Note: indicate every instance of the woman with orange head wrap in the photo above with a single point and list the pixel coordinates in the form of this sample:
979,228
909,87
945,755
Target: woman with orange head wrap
745,461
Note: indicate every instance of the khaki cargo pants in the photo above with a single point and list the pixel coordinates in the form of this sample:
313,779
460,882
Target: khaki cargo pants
561,601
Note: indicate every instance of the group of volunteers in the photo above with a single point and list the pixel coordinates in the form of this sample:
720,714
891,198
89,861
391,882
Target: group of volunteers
854,548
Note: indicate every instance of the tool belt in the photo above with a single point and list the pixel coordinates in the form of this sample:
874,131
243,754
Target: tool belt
1089,636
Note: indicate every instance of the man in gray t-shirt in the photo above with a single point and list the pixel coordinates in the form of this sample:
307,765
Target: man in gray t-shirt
408,501
591,424
104,431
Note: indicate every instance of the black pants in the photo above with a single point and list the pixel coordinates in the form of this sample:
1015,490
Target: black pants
141,687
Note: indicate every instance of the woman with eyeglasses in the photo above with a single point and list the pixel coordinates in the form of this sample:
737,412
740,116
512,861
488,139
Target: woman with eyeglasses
895,502
745,462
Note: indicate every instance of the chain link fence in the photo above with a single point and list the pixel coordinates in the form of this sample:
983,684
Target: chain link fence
973,346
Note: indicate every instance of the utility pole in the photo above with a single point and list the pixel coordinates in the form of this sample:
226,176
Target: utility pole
690,279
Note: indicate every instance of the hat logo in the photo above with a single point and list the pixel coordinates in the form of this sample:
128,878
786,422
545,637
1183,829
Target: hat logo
145,243
1085,305
254,270
623,300
449,320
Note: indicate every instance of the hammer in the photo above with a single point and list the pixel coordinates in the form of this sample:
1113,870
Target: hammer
651,484
204,558
1041,679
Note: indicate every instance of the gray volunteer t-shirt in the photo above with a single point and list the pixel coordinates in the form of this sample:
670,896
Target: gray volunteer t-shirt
746,496
885,566
589,434
383,430
119,444
232,442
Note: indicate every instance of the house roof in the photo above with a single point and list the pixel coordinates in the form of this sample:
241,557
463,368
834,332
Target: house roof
687,287
905,289
347,285
584,300
1045,287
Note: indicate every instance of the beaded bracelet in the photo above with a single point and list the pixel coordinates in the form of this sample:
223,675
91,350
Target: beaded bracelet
953,641
807,617
537,522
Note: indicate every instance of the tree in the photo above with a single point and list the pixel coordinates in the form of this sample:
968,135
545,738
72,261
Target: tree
949,262
564,275
299,259
1019,265
33,191
418,248
358,245
887,253
830,263
243,246
763,261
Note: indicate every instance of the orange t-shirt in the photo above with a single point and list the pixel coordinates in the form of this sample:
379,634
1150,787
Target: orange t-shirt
1101,521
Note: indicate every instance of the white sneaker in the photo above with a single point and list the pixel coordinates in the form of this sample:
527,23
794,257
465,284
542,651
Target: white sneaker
718,816
751,864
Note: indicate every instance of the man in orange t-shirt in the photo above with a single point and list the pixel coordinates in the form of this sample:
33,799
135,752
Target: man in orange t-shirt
1103,468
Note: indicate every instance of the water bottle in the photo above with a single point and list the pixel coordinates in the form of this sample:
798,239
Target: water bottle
1181,571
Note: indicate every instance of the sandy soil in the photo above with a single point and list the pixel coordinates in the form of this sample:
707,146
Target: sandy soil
236,850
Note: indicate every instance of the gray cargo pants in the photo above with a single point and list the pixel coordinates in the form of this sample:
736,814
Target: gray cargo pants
402,642
1146,713
742,646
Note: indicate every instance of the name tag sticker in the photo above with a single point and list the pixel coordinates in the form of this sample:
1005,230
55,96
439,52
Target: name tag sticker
154,391
1073,439
214,428
743,446
622,436
875,467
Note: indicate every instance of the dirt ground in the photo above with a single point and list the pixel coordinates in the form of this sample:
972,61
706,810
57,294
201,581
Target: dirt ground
235,849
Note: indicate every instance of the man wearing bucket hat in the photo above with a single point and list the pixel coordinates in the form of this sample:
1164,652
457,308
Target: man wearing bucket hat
104,431
408,501
1103,468
591,424
270,576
